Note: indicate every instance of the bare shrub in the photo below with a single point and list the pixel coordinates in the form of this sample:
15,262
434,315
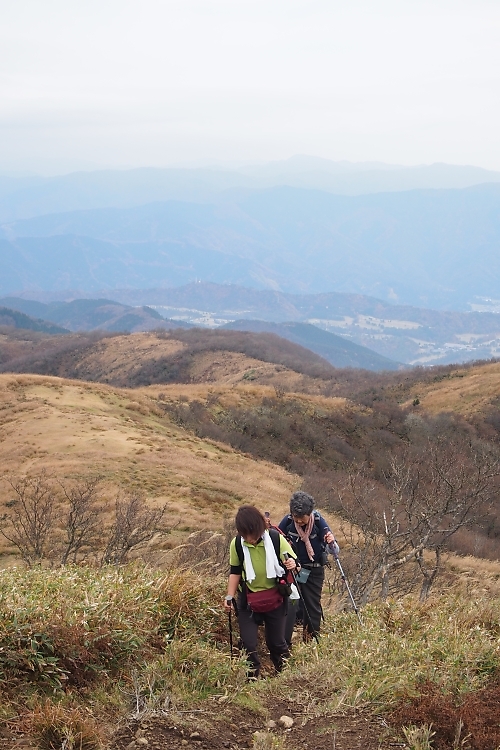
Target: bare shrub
133,527
49,519
32,516
206,547
82,520
431,492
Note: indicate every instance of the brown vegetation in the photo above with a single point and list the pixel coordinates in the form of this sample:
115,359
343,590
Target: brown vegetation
239,389
470,722
54,521
94,473
73,429
158,357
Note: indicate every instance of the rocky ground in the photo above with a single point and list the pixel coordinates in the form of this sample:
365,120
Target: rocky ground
235,729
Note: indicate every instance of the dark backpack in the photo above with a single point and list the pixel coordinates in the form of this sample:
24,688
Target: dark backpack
290,525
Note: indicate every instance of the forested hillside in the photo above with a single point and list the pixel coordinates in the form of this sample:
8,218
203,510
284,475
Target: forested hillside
15,319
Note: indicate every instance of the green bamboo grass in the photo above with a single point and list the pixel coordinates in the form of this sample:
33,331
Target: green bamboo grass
130,641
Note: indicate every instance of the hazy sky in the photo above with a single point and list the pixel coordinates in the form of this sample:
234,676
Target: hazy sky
158,82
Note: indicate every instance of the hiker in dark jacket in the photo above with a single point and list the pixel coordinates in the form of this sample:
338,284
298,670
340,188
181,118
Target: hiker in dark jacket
308,533
253,580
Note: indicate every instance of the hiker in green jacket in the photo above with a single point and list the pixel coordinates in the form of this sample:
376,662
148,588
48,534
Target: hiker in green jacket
256,579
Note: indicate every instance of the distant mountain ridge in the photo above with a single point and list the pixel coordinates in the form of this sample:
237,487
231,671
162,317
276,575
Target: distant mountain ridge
427,248
397,333
338,351
106,315
15,319
277,306
400,332
33,196
90,315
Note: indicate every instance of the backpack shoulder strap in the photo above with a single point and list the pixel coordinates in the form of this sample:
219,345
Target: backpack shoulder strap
275,538
317,518
289,525
239,548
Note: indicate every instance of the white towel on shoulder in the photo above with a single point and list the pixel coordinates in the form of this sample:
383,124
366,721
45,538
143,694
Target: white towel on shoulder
273,568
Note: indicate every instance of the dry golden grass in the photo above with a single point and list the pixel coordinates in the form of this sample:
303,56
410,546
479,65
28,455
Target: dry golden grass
121,356
233,368
481,577
71,428
466,391
240,394
230,367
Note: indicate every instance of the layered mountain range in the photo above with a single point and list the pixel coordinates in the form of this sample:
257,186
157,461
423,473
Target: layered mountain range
347,330
414,274
428,248
28,196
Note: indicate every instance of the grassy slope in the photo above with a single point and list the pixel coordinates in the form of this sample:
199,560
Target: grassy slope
185,357
119,360
72,428
467,391
211,357
161,647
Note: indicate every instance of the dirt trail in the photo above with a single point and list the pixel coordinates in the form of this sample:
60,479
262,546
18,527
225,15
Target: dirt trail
234,729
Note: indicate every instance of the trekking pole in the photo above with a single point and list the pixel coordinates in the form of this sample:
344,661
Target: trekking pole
230,622
297,585
333,548
230,631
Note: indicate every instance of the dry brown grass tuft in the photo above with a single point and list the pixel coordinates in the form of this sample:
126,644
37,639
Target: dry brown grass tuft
54,726
470,723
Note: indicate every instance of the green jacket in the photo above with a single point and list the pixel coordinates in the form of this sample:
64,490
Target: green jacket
258,557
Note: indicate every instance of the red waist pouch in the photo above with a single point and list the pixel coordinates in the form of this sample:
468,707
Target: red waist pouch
264,601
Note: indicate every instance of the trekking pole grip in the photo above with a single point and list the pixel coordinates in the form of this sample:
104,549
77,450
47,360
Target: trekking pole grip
286,556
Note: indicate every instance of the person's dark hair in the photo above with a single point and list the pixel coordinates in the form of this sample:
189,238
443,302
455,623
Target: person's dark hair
301,504
250,521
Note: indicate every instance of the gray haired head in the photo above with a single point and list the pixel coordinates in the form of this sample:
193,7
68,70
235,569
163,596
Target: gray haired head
301,504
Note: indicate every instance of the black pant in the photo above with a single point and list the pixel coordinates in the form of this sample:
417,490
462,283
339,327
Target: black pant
311,594
274,627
